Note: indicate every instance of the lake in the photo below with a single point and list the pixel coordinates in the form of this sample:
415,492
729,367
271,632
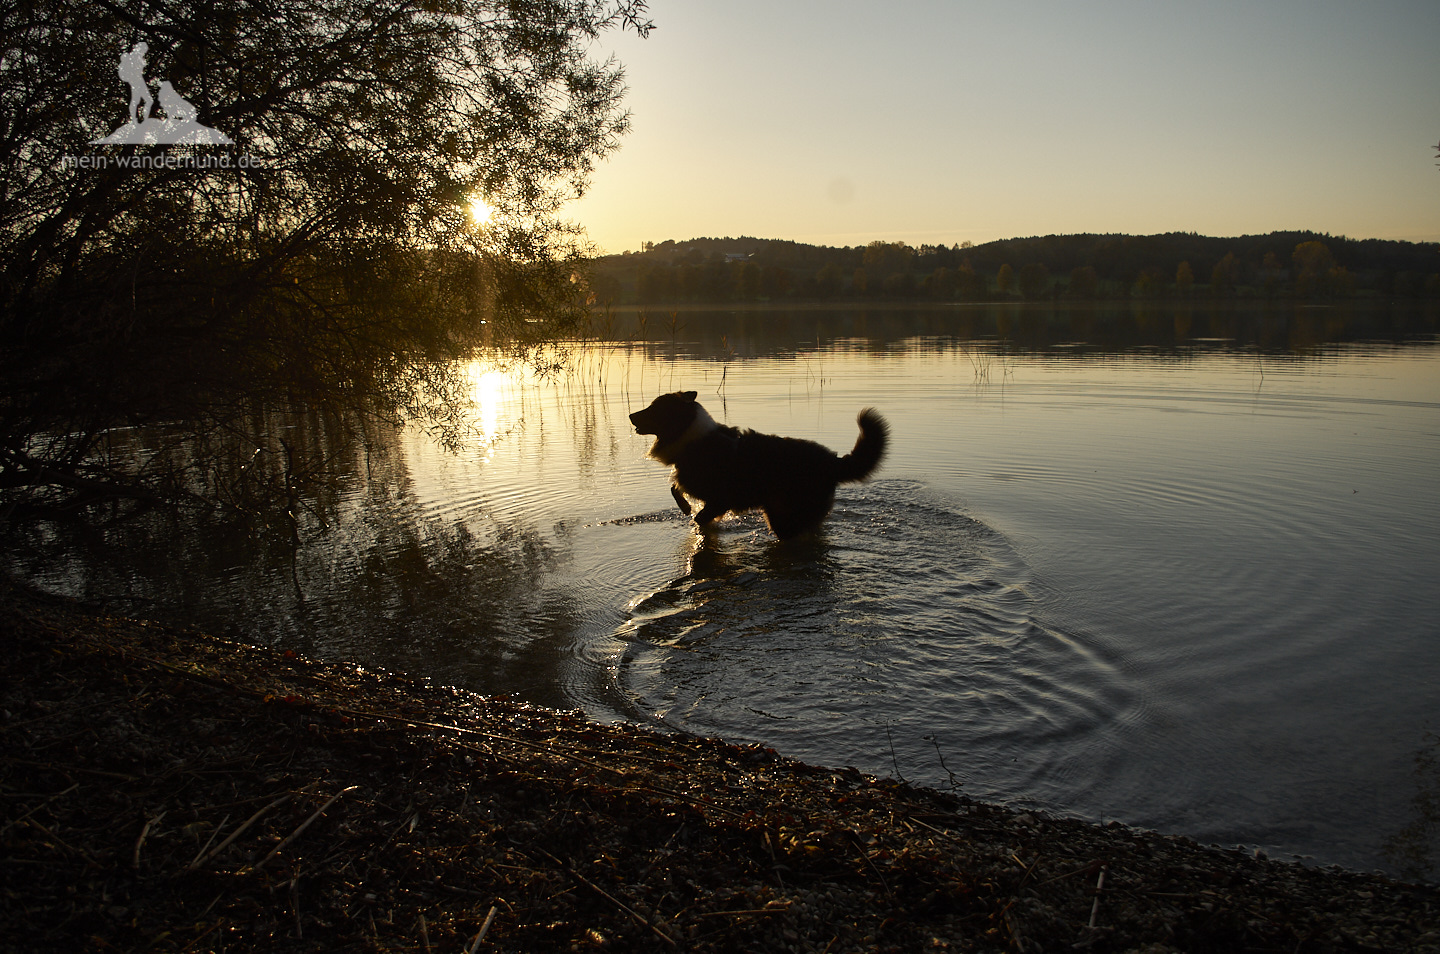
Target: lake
1169,564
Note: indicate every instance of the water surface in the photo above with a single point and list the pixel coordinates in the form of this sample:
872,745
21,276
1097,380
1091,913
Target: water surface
1175,566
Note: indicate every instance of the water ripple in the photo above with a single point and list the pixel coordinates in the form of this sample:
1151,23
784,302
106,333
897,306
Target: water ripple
904,632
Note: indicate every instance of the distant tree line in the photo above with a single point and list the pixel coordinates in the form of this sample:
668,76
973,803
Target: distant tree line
1304,265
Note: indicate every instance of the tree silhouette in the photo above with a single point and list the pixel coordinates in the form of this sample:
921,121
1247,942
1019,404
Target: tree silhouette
1004,277
1223,275
1313,267
1184,278
1249,266
1083,282
1034,280
324,263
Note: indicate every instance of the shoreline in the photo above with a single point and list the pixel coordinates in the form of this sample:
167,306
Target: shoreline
910,304
169,790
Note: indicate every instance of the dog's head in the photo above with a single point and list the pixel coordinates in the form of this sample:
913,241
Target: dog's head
668,417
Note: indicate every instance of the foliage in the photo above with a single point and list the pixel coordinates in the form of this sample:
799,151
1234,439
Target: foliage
324,262
1004,277
1184,278
1034,280
1076,267
887,258
1223,275
1313,264
1084,283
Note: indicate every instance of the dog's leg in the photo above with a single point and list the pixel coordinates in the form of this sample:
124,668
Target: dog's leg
709,513
680,499
790,518
786,523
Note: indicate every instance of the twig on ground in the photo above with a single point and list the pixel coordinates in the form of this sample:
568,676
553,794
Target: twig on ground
484,929
774,907
16,821
297,832
144,833
636,915
239,831
208,842
1099,886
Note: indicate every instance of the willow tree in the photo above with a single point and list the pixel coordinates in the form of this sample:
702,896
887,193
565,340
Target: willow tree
322,259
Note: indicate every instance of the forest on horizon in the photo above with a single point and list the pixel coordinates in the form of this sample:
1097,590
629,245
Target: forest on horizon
1278,265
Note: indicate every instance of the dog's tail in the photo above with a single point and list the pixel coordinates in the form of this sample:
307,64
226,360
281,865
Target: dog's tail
869,449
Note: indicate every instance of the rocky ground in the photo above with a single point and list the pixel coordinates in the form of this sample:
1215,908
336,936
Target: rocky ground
164,790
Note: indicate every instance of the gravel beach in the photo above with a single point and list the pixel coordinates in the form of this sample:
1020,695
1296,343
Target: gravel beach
166,790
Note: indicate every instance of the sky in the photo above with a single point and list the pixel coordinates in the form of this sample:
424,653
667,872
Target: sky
932,122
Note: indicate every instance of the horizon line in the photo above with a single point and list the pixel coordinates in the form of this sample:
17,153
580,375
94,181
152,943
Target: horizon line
1434,240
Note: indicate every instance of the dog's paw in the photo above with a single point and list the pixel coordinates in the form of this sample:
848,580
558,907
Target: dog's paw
709,514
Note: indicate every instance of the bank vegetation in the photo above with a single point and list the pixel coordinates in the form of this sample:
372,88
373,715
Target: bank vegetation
1303,266
168,309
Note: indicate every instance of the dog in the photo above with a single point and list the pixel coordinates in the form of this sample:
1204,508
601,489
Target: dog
177,108
730,469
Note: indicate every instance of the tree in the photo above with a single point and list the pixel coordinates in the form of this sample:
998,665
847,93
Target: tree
1148,283
969,286
886,258
887,268
829,280
1223,275
1184,278
899,285
324,261
1034,281
1083,282
1004,278
1341,282
746,278
1270,270
860,281
942,283
1313,265
656,283
774,282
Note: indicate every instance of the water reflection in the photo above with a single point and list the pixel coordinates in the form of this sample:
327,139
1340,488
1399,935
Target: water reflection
490,391
1070,329
1105,536
374,578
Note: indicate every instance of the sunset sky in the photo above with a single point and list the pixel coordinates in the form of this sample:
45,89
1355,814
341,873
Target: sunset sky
838,122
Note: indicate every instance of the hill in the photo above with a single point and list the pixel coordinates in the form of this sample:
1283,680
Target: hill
1304,265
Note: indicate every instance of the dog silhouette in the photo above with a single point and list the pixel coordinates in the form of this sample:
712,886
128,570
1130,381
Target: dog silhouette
177,108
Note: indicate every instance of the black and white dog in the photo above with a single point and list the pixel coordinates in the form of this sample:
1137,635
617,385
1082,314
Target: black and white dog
727,468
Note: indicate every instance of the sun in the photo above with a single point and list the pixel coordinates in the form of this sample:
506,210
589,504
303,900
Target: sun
480,211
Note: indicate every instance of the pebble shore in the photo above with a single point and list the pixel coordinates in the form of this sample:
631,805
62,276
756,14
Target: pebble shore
164,790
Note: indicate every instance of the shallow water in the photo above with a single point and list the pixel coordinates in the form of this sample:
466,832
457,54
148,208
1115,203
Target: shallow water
1186,583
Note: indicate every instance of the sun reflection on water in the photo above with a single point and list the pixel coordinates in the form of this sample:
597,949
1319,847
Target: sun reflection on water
492,392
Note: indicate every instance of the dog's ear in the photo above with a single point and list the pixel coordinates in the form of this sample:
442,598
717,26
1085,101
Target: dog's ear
688,395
